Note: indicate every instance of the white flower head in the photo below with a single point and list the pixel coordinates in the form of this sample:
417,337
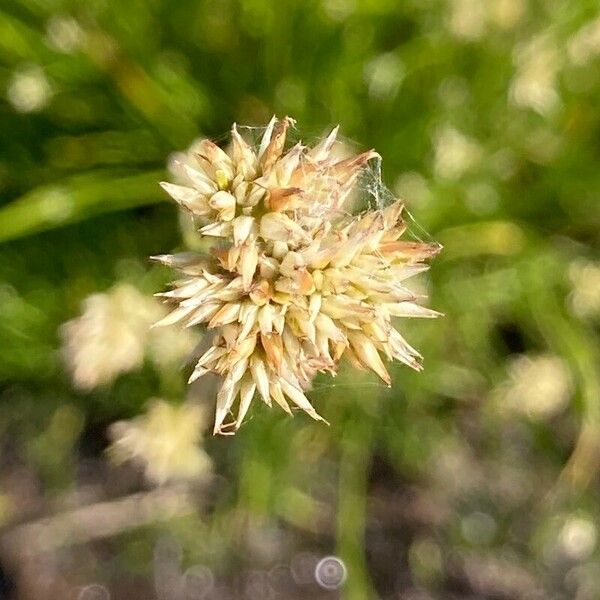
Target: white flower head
584,46
113,335
585,298
535,83
455,153
538,386
293,282
165,441
29,90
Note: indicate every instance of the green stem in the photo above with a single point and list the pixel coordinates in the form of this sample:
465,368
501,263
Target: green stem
352,507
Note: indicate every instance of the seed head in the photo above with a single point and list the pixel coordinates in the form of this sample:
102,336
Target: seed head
113,335
294,282
165,441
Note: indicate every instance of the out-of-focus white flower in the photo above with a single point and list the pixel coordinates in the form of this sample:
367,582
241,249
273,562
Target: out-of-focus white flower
470,19
585,44
455,153
539,386
384,75
578,537
506,13
165,441
29,89
113,333
585,297
534,84
57,204
64,33
295,281
467,19
109,337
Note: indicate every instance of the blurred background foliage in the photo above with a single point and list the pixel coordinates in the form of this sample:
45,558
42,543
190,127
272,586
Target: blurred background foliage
475,479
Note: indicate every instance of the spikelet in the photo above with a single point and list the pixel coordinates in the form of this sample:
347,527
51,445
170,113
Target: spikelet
294,283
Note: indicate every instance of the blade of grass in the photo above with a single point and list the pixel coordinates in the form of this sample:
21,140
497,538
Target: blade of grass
76,199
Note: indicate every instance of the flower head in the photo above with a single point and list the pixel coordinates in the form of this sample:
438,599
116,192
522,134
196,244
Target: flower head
108,338
113,334
538,386
293,282
164,440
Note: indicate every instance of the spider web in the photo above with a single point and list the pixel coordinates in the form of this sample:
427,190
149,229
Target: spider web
370,190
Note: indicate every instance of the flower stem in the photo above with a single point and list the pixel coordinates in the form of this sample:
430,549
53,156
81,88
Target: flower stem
352,505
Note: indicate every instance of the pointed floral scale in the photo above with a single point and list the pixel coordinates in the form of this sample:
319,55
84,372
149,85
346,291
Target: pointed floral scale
293,283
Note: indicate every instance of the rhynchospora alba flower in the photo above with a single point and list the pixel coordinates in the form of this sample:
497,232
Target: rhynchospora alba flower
113,335
165,440
293,282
